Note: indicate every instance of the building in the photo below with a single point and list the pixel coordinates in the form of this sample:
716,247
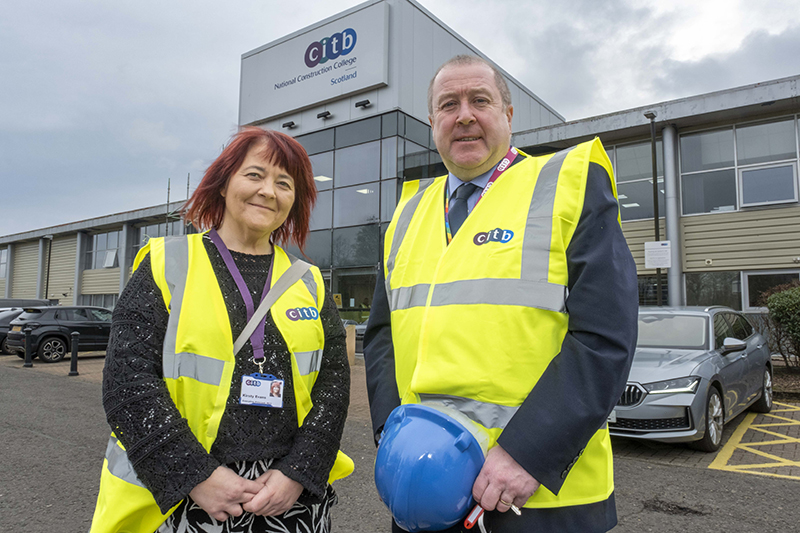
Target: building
352,90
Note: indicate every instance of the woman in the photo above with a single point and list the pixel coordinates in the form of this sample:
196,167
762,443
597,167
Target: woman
192,448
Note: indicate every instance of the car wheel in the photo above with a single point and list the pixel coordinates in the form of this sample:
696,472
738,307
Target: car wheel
764,404
715,416
4,346
52,350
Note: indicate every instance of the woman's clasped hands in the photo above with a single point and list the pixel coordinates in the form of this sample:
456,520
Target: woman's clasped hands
225,494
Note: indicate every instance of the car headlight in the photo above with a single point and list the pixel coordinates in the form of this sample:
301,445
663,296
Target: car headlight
673,386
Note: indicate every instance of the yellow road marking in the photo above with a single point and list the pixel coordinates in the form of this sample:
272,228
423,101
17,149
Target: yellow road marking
734,444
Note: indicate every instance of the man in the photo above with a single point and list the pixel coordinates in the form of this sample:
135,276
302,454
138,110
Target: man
521,314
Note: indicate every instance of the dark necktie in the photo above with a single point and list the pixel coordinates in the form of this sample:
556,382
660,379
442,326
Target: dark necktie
458,209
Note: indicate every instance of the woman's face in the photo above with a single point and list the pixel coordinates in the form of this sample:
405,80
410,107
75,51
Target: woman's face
259,195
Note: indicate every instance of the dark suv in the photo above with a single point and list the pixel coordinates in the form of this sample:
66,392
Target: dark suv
6,316
52,327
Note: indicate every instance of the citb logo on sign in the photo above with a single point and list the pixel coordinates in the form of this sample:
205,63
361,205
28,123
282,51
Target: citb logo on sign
252,383
338,44
302,313
495,235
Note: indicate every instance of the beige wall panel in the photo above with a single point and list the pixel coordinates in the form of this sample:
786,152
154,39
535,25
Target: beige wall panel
747,240
62,269
26,265
638,232
100,281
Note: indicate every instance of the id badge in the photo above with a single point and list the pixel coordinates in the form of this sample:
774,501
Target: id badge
264,390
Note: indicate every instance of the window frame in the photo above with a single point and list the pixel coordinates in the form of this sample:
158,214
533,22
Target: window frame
737,168
746,308
762,166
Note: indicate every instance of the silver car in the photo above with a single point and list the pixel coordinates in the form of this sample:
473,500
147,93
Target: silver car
694,370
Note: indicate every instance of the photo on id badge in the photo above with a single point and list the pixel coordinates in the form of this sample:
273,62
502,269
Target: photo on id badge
264,390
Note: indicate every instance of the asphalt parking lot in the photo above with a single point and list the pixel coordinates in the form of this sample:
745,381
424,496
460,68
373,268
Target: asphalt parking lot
53,435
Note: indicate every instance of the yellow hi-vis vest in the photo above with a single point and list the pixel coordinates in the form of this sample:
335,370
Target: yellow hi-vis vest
475,323
198,363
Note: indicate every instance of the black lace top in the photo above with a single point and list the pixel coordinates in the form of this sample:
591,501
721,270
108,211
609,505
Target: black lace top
166,456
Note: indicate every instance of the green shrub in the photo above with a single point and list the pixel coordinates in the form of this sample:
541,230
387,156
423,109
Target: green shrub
784,311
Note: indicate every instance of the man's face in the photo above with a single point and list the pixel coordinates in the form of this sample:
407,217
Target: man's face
471,129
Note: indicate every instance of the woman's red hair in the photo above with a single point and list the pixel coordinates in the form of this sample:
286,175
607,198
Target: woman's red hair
206,207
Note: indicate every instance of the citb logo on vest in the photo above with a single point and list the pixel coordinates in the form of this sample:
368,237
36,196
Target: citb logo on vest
302,313
496,235
338,44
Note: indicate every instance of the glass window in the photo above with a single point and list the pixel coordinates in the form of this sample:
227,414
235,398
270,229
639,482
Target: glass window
762,143
389,125
635,162
741,329
356,291
358,164
321,215
415,161
648,290
317,142
758,284
714,288
356,205
101,315
389,158
318,248
358,132
80,314
418,132
768,185
322,166
356,247
706,151
709,192
389,195
101,251
721,330
636,199
3,262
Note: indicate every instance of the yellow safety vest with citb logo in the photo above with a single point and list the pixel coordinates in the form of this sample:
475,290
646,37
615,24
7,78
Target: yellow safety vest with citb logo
501,286
198,364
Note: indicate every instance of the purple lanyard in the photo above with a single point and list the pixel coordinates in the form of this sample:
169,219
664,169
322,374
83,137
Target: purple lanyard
257,338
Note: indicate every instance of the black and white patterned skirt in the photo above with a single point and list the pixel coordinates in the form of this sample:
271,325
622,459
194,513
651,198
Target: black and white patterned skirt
301,517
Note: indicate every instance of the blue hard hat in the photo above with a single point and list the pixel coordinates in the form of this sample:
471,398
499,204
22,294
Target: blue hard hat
426,465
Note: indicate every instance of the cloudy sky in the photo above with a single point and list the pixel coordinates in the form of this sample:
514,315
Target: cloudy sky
102,102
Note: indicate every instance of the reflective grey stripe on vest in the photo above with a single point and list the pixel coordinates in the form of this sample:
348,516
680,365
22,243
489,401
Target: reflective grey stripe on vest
402,226
489,415
119,465
308,362
190,365
491,291
308,278
407,297
539,228
198,367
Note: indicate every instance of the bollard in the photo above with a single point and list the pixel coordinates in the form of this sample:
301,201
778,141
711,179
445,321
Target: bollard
73,361
28,353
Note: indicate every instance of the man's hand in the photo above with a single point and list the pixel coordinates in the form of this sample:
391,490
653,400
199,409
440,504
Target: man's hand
222,494
277,495
501,480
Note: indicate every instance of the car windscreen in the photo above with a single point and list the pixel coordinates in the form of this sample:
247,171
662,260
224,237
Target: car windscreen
679,332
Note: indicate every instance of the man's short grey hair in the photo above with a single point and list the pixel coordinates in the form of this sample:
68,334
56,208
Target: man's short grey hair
464,59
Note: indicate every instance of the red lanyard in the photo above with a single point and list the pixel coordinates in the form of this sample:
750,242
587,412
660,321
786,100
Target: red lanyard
501,167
